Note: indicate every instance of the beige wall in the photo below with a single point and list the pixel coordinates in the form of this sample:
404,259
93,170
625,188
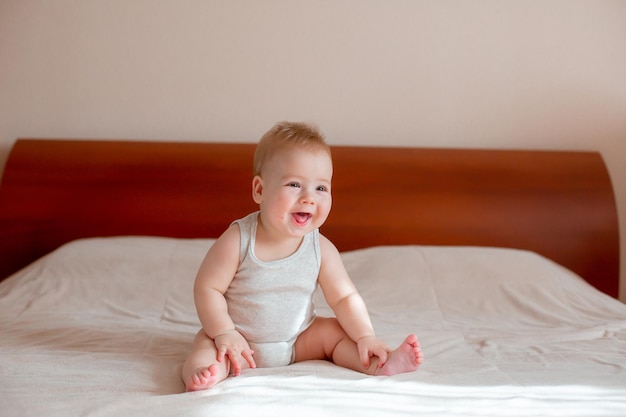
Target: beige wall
503,74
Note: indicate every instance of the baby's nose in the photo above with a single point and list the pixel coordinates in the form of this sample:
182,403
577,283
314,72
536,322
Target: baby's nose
307,198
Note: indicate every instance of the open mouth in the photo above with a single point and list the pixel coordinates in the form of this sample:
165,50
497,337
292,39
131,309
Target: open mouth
301,218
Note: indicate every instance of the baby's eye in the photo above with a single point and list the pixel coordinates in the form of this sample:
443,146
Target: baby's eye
293,184
322,188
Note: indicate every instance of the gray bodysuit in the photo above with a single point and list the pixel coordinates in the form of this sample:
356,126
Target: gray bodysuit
271,303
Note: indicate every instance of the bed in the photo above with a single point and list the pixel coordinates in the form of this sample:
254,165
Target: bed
505,263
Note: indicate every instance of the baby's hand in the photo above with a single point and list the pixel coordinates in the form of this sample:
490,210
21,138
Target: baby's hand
236,347
372,346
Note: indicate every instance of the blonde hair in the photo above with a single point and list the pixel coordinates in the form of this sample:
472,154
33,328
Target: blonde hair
286,136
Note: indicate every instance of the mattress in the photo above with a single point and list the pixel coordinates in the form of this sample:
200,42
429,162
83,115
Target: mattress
101,327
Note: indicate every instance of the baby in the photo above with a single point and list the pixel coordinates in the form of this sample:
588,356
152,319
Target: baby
253,292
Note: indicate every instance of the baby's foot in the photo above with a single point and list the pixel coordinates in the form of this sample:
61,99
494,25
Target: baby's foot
204,378
406,358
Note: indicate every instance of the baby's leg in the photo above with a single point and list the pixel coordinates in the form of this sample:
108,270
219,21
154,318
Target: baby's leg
326,339
201,370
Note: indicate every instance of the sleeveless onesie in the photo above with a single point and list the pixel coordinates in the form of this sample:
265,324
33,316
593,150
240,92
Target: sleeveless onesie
271,303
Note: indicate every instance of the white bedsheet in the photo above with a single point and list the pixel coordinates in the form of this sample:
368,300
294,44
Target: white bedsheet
101,327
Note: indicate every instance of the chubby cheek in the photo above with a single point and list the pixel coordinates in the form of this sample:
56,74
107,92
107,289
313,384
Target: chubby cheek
324,209
281,204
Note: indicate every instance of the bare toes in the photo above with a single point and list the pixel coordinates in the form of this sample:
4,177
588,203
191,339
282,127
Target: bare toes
204,379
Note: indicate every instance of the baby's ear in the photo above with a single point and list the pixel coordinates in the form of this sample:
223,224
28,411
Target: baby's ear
257,189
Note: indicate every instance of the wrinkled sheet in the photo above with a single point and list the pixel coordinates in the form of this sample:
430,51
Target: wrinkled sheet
100,327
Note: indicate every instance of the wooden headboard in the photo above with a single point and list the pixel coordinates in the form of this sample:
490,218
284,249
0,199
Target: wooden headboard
559,204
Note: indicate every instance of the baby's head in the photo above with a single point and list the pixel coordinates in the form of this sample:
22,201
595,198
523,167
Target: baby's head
292,179
286,136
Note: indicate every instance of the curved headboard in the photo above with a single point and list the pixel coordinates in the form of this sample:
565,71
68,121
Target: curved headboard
559,204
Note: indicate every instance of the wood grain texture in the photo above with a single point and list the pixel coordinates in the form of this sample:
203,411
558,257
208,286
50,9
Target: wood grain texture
559,204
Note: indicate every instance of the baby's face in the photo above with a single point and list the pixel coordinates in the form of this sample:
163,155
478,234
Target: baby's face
294,191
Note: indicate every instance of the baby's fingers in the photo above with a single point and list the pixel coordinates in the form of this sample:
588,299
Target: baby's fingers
382,357
247,355
235,365
221,353
364,355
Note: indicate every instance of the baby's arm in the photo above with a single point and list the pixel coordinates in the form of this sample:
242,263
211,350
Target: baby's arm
348,305
213,279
